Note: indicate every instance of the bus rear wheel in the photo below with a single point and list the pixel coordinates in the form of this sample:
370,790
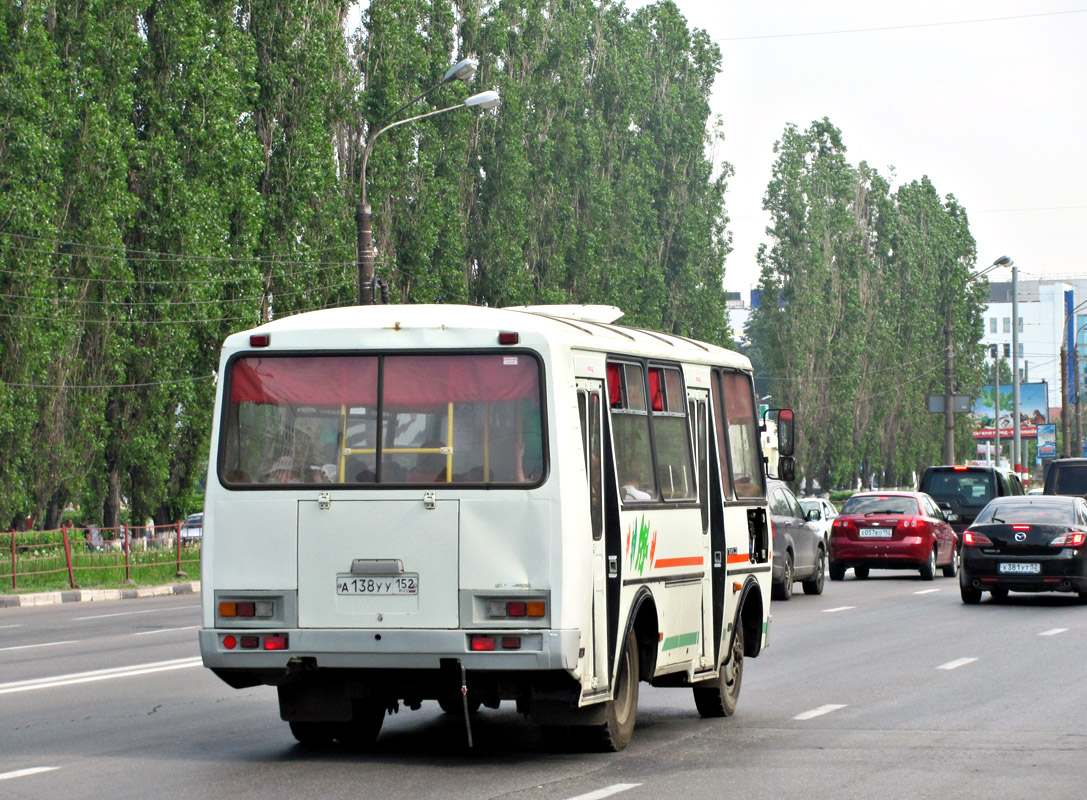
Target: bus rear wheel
718,697
361,731
616,732
313,734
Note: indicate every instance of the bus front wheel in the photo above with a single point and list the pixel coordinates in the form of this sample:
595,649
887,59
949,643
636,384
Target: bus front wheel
718,697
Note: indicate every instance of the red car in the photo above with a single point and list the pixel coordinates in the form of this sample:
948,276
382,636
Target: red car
892,530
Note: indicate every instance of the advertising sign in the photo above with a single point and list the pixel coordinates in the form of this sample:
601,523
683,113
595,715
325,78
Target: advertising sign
1047,440
1033,410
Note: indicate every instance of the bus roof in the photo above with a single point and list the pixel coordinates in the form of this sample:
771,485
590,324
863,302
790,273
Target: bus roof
572,326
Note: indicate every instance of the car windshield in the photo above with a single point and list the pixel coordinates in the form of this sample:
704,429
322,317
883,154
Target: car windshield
808,505
1071,479
968,488
1027,513
880,504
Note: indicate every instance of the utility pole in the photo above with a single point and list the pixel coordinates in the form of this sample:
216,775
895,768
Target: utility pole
1017,458
949,414
996,401
1066,433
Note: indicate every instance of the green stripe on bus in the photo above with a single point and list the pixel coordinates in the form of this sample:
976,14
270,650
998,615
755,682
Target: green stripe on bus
682,640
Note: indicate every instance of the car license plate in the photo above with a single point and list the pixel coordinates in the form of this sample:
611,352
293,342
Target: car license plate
377,584
1020,568
875,533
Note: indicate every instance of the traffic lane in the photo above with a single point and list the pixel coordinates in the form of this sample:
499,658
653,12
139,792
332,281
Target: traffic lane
887,647
58,640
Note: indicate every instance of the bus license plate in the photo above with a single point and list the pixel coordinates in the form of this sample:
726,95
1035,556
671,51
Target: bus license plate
377,585
876,533
1020,569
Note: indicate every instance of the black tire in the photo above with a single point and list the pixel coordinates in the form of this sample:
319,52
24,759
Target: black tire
313,734
622,709
361,731
999,594
784,590
952,569
452,704
814,585
837,572
718,697
861,573
970,595
928,571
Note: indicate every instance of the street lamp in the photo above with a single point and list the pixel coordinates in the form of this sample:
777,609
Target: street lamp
462,70
949,413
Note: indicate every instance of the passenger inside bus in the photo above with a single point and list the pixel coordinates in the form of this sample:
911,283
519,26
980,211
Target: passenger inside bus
632,490
429,467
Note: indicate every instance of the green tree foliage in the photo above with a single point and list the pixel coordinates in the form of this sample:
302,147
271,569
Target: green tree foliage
857,269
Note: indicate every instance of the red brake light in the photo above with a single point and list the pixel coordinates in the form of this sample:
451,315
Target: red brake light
482,643
959,469
260,340
1070,539
974,539
1020,527
509,337
276,642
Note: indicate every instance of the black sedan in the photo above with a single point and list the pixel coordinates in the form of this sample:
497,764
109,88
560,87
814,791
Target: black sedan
1032,543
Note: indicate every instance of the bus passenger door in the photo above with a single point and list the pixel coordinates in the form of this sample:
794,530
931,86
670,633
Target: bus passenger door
590,398
698,415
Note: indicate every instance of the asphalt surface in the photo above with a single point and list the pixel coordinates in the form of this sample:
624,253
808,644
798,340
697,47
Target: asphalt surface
889,688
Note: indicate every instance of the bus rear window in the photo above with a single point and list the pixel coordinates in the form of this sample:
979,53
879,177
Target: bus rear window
383,419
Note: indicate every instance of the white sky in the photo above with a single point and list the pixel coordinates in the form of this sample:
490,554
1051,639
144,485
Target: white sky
993,110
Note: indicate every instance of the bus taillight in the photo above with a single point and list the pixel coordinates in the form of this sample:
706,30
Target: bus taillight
482,643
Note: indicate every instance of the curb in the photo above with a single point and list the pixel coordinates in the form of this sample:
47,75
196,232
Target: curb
93,595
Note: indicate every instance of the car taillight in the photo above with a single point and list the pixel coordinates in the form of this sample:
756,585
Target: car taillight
842,523
974,539
910,522
1070,539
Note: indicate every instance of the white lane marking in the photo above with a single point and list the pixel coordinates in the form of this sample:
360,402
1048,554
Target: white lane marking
958,662
130,613
167,630
11,626
607,791
98,675
927,591
22,773
818,712
839,608
1053,631
41,644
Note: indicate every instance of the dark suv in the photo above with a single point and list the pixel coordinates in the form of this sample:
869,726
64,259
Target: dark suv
964,491
1067,476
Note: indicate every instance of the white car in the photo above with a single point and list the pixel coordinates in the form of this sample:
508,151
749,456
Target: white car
820,511
192,529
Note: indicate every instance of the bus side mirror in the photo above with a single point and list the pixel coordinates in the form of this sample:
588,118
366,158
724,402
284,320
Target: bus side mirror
786,469
785,433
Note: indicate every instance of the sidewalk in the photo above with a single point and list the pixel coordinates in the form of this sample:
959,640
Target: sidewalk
92,595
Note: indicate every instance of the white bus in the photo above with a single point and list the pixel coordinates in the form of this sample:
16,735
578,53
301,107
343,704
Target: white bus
470,505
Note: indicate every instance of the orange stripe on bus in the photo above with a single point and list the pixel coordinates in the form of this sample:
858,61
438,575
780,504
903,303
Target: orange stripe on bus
738,558
687,561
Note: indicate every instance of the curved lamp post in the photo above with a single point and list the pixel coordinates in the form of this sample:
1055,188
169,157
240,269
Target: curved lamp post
1066,421
463,70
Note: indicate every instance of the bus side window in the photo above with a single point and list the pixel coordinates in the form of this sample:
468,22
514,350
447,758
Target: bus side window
589,408
675,470
630,433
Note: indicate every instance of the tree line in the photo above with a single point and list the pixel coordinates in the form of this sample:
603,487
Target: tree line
171,172
858,282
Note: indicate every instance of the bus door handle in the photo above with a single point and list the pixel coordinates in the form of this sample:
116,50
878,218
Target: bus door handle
613,566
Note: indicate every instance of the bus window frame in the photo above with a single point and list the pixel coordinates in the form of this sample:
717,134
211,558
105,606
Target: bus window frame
227,409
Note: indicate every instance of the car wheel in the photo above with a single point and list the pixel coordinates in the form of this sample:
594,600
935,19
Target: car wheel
970,595
861,572
952,569
361,731
999,594
718,697
815,584
784,590
837,572
928,572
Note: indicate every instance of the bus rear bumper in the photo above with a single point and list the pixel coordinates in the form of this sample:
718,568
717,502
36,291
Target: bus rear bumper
529,650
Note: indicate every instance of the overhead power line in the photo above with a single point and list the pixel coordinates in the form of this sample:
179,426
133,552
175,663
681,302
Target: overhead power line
843,31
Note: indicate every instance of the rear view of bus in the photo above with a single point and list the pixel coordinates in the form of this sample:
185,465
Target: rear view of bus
401,508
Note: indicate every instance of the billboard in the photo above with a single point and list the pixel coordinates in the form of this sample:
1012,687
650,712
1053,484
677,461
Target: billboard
1047,440
1033,410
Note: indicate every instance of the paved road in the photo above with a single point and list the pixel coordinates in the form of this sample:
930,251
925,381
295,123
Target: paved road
882,688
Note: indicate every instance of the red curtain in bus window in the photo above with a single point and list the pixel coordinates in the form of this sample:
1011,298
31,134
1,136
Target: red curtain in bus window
305,380
615,391
656,399
427,380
